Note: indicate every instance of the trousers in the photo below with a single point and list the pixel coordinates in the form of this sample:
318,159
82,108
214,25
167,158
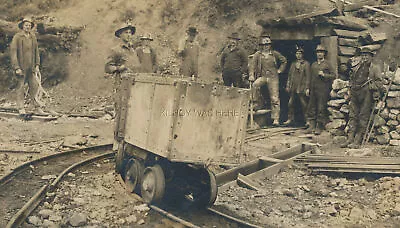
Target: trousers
272,84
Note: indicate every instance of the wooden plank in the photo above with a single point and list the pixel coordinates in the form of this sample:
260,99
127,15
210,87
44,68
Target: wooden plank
245,182
373,47
348,42
27,117
274,169
331,44
294,151
357,171
232,174
349,22
347,51
353,166
269,159
348,34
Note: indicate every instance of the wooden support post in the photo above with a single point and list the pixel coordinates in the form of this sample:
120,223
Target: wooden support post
331,44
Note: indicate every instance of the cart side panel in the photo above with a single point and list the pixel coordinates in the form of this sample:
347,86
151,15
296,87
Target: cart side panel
138,114
212,128
163,112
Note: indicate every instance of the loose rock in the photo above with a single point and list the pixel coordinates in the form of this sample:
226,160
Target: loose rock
78,219
34,220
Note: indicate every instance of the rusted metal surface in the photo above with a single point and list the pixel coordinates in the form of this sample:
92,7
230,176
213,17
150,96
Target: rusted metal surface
187,121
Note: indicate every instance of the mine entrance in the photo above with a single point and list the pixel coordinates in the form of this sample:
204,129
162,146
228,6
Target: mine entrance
288,49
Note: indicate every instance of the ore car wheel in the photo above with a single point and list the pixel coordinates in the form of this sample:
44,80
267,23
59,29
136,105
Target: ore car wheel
133,175
208,195
119,159
153,184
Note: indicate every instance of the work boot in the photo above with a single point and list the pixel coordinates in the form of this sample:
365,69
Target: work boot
288,122
276,122
357,141
311,127
350,139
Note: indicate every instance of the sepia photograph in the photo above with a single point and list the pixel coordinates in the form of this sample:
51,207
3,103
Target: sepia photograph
200,113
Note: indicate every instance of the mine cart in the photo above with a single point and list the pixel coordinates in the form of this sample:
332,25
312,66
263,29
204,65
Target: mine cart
168,130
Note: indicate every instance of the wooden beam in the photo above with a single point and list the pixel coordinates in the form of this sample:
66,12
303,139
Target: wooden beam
245,182
373,9
349,22
331,44
348,34
348,42
27,117
232,174
347,51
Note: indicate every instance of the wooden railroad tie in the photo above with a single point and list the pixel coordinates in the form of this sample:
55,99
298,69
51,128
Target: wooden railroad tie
349,164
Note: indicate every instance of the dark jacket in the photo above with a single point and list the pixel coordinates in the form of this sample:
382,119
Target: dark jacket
299,77
318,82
235,59
148,60
373,79
22,57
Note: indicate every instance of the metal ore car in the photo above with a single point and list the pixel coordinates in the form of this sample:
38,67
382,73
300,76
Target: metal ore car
168,130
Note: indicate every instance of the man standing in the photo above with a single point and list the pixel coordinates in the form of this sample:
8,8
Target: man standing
365,87
189,51
322,76
265,68
234,62
25,61
298,85
147,56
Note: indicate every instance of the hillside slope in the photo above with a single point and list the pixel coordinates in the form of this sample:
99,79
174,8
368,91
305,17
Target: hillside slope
167,22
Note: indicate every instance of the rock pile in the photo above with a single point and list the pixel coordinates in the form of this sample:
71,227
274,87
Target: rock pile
387,129
338,107
386,124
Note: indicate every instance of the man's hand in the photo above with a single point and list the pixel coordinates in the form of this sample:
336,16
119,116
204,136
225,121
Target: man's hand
307,92
19,72
321,73
279,71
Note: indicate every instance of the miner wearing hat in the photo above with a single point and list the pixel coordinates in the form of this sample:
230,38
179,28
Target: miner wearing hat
234,62
25,60
298,85
122,61
365,87
322,75
147,55
265,68
189,50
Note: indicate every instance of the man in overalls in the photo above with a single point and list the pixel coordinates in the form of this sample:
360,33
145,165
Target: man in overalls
264,69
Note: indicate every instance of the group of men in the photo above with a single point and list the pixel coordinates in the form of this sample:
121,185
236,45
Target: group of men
308,85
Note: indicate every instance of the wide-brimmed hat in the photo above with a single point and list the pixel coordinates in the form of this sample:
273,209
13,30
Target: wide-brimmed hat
366,50
27,19
125,27
146,37
321,48
234,36
192,31
264,40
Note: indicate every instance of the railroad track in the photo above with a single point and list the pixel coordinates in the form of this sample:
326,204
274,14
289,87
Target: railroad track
23,189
